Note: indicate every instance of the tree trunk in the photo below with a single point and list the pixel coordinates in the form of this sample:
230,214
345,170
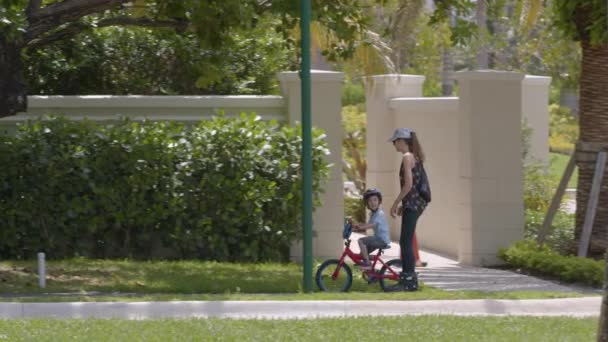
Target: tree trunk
447,72
447,65
13,97
482,55
593,121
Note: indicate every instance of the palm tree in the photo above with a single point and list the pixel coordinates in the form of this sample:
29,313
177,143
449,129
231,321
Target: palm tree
586,21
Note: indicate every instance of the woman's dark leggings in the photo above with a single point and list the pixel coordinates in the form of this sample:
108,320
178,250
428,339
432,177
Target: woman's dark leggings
408,227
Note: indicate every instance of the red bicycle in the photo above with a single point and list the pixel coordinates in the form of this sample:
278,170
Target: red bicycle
335,275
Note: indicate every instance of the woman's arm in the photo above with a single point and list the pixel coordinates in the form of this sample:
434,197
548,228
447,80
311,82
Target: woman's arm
408,164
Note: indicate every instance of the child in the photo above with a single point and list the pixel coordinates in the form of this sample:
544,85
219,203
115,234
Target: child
377,221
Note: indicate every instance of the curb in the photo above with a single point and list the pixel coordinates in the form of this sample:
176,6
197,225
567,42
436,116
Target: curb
575,307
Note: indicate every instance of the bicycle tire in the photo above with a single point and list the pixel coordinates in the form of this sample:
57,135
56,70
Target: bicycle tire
324,276
395,265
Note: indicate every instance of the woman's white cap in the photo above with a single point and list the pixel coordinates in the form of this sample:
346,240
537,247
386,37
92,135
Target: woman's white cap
401,133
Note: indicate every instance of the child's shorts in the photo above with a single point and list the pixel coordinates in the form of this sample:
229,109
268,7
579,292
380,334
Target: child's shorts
372,243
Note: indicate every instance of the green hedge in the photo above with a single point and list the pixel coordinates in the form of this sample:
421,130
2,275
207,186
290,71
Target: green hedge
355,209
226,189
528,255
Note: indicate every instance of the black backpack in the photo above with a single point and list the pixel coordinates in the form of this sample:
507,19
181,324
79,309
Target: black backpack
423,186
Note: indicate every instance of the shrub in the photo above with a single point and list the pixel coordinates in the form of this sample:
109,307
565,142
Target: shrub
354,160
227,189
528,255
563,129
355,208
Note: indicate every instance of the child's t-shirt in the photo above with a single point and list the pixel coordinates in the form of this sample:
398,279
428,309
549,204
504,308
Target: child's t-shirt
380,226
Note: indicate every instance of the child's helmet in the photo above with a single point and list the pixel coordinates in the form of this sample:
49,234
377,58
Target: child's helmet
372,192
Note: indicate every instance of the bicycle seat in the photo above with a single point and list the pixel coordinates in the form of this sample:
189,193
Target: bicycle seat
387,246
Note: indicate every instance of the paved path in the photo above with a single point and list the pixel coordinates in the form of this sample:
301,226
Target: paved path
576,307
447,274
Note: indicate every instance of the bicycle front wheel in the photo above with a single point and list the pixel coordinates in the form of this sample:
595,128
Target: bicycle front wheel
333,277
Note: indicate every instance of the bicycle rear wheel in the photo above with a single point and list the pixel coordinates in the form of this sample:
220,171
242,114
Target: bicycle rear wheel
325,280
389,278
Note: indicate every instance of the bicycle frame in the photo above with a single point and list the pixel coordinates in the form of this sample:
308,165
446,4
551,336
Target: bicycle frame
358,260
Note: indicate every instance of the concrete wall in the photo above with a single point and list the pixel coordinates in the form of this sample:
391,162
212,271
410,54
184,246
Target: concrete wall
328,220
326,114
473,149
436,123
380,125
535,110
491,208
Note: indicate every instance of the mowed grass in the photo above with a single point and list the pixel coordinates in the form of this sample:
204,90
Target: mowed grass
76,275
410,328
128,280
558,163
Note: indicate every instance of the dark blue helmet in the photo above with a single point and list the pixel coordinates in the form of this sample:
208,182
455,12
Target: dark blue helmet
372,192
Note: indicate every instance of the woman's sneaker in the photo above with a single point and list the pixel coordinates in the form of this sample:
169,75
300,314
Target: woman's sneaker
407,282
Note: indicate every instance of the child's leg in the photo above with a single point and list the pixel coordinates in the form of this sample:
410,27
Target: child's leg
363,249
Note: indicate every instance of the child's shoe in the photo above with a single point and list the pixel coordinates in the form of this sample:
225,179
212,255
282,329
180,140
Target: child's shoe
371,279
365,266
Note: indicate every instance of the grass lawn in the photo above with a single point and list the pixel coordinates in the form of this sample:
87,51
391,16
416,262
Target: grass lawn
127,280
558,163
416,328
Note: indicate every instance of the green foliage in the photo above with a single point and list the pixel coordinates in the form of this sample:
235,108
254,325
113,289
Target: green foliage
226,189
424,54
353,94
212,21
528,255
354,145
563,129
355,208
537,47
583,20
119,61
12,19
463,29
557,165
561,236
539,189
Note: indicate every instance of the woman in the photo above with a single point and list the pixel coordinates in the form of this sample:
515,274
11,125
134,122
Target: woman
408,203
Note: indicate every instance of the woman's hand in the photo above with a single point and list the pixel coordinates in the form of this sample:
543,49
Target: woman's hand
395,209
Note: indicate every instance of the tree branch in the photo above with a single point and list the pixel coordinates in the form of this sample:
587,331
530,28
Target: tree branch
33,6
178,25
75,8
47,18
75,28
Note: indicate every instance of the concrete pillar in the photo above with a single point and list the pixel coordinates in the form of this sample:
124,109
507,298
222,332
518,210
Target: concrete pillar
328,219
490,165
381,157
535,109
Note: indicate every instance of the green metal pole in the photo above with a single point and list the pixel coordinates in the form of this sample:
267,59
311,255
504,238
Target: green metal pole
306,145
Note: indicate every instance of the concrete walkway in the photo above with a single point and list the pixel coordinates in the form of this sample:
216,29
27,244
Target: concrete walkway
447,274
575,307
